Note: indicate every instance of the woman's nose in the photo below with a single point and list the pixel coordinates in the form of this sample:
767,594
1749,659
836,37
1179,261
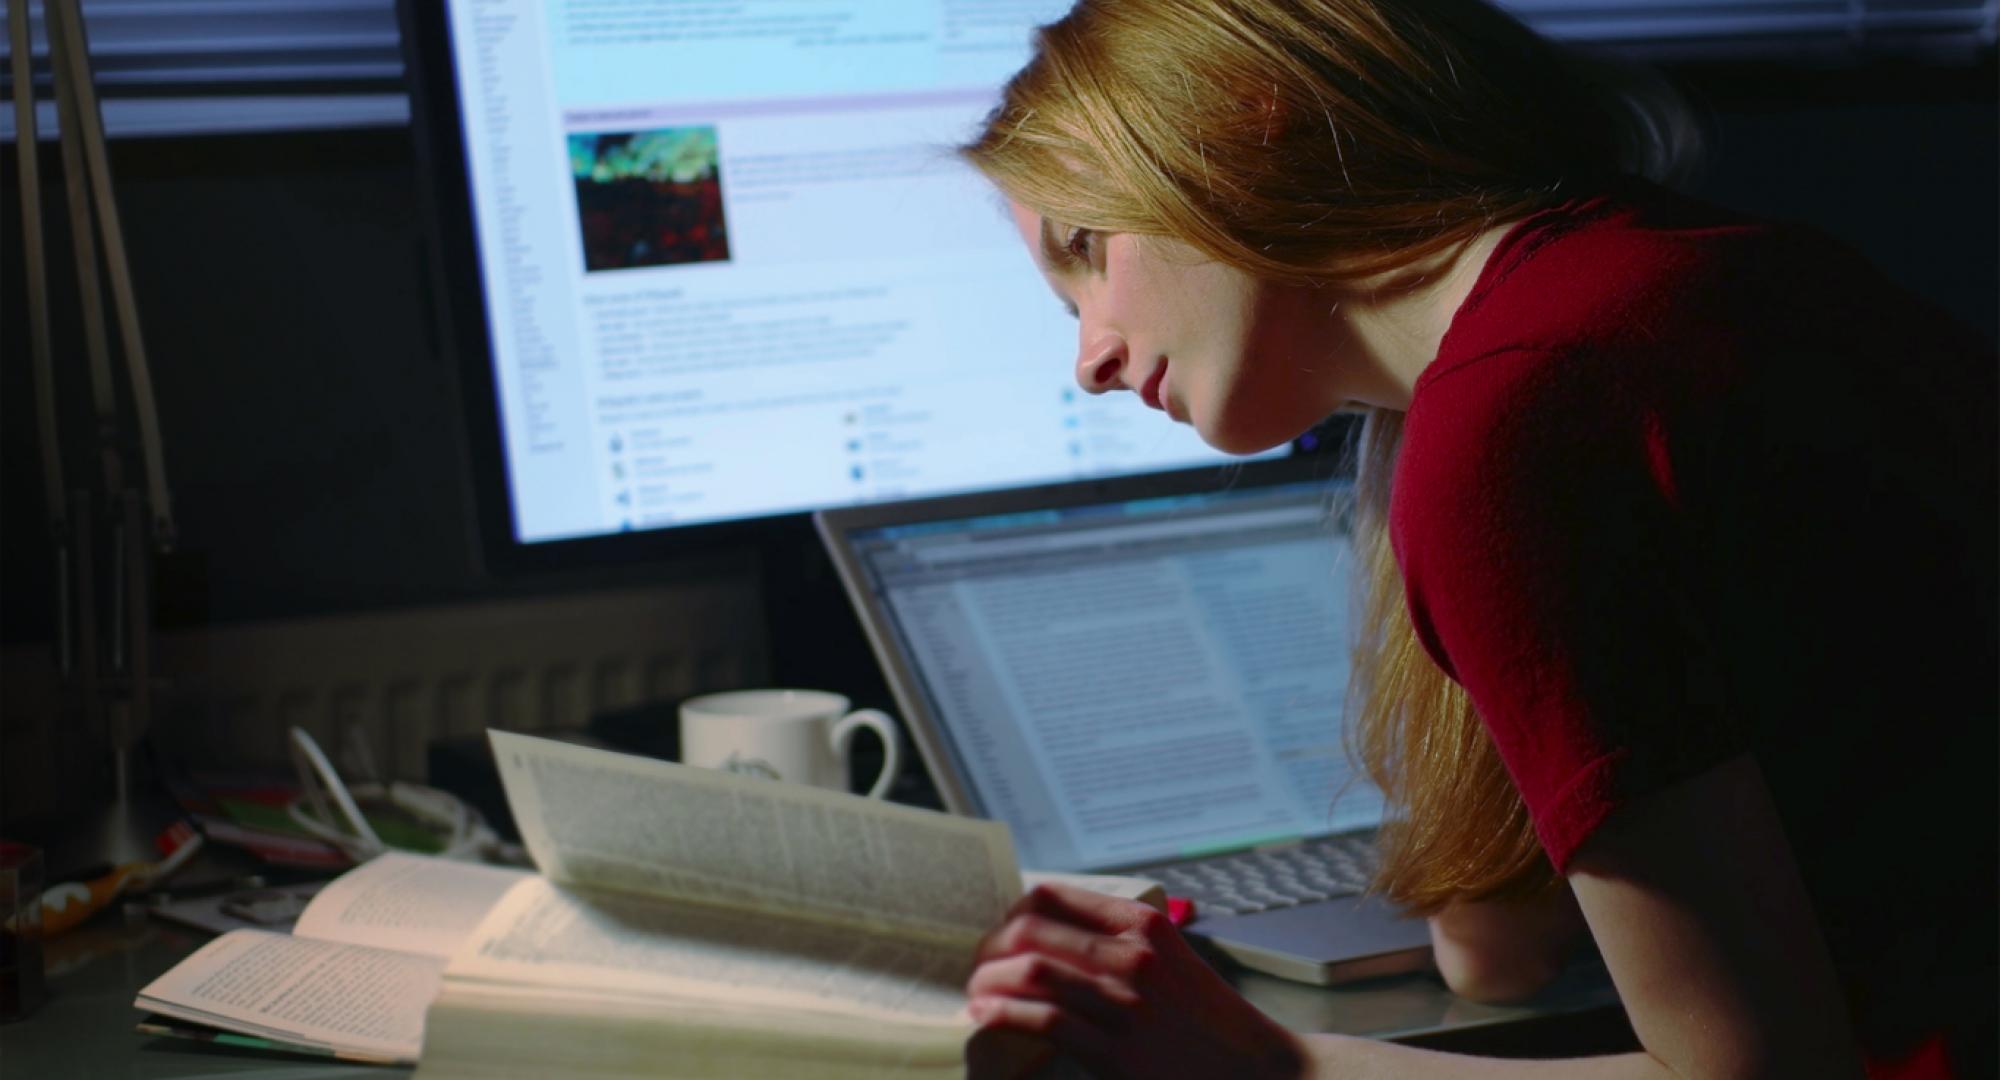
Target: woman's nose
1100,364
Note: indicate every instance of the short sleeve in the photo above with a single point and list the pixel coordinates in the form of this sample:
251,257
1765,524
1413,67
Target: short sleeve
1547,565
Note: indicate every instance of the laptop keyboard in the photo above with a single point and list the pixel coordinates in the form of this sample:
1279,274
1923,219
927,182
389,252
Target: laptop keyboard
1283,877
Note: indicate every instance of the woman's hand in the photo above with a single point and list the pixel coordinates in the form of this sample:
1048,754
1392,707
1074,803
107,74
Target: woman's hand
1112,984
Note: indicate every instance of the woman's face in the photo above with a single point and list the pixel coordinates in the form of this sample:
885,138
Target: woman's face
1248,363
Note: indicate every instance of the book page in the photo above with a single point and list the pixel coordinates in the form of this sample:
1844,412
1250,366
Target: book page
341,997
546,935
613,821
412,903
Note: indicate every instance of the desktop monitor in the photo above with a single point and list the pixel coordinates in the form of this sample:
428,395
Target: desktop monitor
714,263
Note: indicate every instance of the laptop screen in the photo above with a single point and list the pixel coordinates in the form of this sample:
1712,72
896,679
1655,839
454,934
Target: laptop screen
1133,682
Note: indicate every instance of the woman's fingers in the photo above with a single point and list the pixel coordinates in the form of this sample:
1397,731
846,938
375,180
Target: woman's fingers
1099,933
1120,955
1114,987
1101,1000
1085,909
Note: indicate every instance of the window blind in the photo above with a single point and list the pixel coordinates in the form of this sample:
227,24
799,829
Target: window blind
168,67
185,66
1942,31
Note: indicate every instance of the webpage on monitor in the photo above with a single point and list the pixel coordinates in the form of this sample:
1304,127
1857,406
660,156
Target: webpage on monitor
732,268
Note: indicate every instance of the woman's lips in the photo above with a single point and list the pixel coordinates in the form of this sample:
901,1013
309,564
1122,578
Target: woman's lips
1150,392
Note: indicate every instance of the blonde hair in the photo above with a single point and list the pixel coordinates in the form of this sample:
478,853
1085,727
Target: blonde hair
1323,143
1461,831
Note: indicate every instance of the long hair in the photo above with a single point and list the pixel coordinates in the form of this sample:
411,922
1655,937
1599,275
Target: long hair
1323,143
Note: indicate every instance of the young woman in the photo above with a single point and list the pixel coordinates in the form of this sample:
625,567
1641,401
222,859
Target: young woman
1679,535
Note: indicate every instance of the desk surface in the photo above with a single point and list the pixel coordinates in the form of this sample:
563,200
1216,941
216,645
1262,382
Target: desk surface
85,1030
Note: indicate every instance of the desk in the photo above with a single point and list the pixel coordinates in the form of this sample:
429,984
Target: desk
85,1029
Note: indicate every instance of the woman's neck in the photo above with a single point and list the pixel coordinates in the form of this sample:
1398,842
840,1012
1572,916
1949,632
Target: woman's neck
1395,323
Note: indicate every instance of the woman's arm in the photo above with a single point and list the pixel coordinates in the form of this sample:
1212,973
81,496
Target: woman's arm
1706,928
1505,950
1704,922
1691,894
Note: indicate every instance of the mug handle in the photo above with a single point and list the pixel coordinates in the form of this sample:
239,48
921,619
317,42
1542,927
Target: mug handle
892,746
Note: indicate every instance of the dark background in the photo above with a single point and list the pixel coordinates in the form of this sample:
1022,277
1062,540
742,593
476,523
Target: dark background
313,428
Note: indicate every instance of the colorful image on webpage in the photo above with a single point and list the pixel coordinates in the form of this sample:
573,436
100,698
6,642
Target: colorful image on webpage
649,198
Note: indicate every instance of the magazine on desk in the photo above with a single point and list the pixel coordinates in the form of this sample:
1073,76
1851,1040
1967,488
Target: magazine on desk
683,923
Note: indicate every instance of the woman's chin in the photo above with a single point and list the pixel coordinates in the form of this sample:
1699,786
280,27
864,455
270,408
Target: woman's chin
1231,439
1243,447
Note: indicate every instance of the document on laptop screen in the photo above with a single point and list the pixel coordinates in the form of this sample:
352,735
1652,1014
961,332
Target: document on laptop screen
1131,684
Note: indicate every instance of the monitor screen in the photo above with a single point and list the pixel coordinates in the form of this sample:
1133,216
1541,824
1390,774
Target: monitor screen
728,266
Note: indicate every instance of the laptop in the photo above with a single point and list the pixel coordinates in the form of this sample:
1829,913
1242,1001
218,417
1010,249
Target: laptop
1145,676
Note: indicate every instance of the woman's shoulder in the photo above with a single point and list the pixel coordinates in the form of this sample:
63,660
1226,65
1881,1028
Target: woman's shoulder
1633,267
1642,300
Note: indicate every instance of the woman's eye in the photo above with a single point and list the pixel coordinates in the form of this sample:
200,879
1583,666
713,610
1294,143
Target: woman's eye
1078,244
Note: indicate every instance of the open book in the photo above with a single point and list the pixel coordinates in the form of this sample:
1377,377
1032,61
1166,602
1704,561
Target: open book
353,978
684,923
694,923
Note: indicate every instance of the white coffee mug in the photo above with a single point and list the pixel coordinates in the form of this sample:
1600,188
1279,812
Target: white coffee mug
796,735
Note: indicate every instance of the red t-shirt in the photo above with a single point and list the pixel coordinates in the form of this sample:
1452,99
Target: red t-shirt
1679,487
